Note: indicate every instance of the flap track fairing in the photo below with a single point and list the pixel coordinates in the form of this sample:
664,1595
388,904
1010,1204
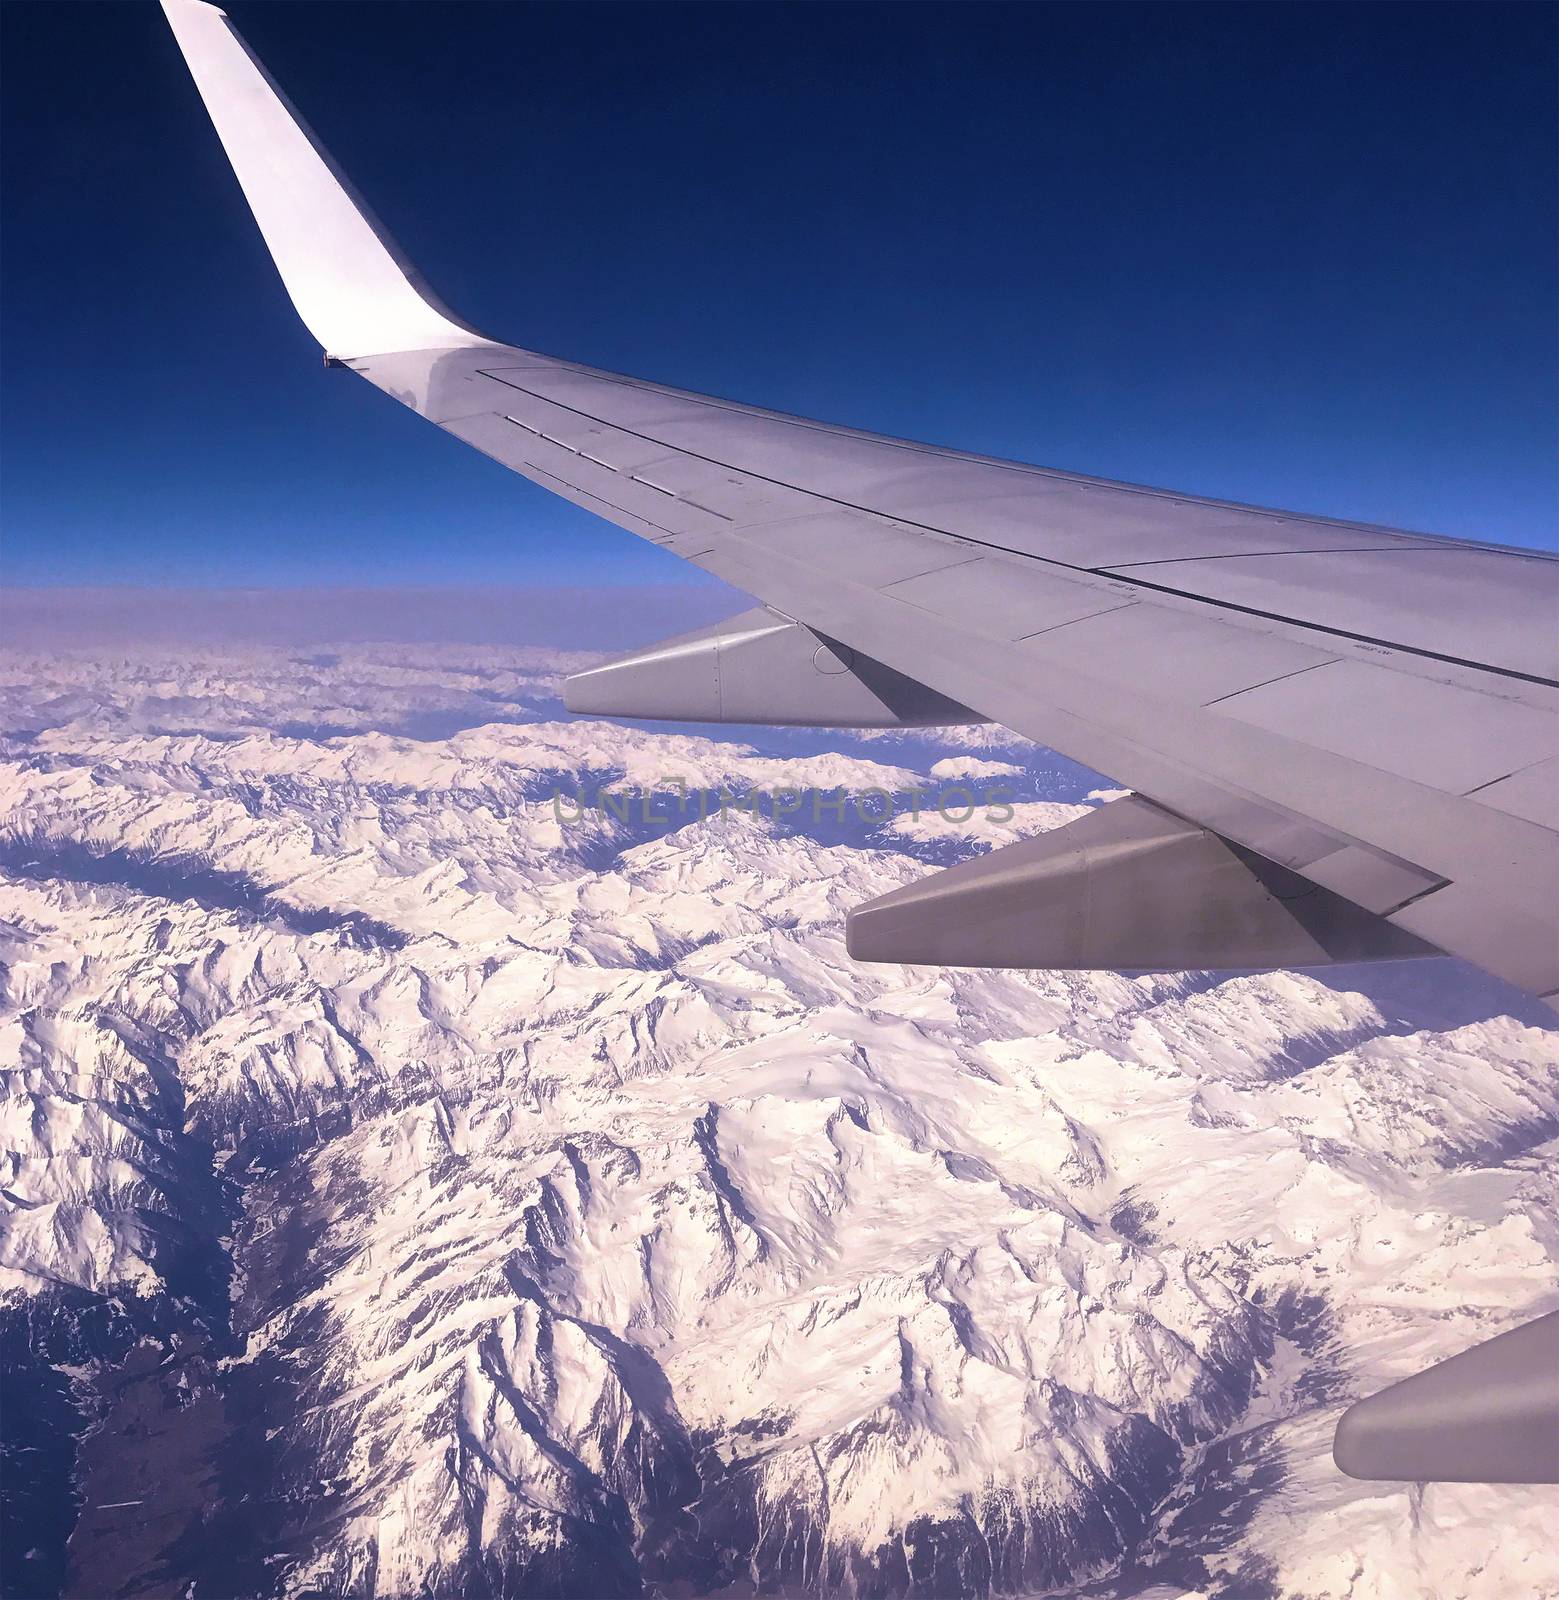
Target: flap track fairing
1129,887
760,667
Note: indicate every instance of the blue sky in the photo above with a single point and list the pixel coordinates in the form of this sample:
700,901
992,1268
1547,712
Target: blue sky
1297,255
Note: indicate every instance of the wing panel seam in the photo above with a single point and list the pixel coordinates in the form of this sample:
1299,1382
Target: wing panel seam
1419,539
1050,561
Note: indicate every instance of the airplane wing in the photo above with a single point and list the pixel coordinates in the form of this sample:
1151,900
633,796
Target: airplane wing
1343,740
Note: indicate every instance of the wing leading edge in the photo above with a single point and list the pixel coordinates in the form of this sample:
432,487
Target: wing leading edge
1374,712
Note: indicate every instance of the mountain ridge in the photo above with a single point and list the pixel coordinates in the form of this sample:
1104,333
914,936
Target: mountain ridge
610,1232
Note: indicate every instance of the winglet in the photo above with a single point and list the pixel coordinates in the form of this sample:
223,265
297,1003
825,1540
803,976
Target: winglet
350,283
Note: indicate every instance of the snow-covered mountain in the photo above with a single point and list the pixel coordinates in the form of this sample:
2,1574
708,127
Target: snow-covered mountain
413,1188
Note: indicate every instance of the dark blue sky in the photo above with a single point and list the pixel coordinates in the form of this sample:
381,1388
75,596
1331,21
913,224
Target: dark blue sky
1296,255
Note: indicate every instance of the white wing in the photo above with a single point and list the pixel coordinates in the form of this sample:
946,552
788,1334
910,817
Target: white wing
1344,739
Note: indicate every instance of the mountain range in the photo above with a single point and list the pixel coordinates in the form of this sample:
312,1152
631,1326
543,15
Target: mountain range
417,1182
